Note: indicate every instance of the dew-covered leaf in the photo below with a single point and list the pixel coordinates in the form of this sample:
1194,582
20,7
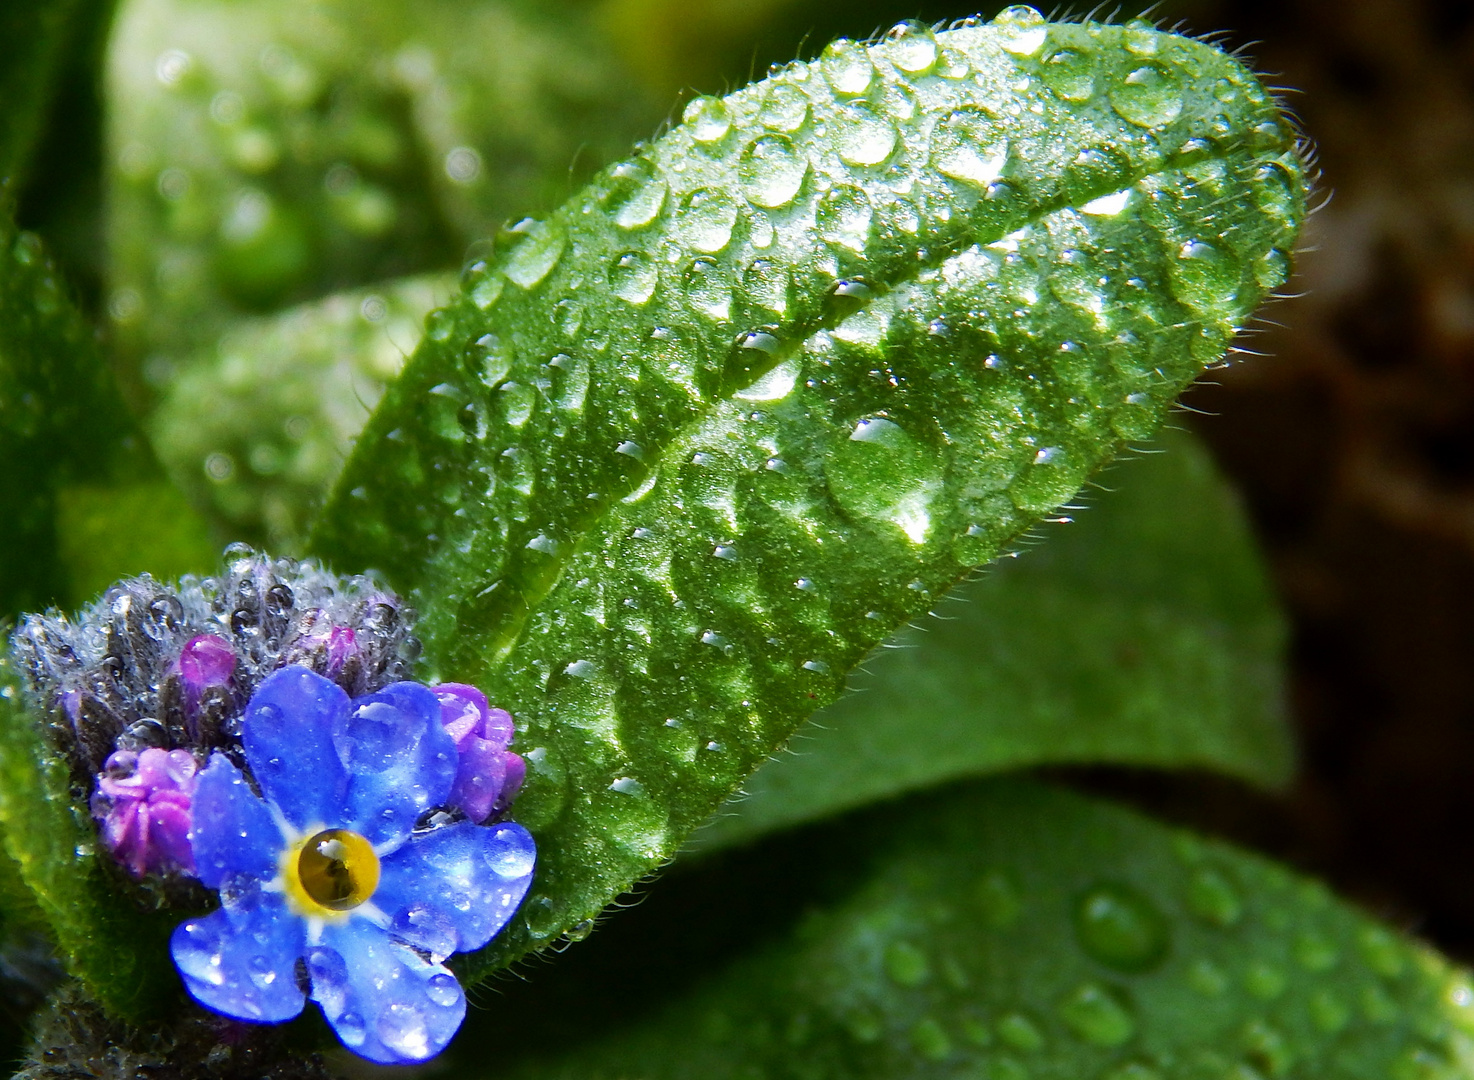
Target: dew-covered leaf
267,152
681,457
259,430
1144,633
1006,931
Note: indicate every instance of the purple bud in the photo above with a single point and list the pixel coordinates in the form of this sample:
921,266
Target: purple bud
144,805
515,771
205,661
481,735
342,644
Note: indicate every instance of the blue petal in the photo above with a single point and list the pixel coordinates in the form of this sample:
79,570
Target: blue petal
242,962
384,1001
287,732
400,759
233,832
452,889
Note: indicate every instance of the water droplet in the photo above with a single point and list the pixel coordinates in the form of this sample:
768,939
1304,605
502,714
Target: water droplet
912,47
1070,73
1267,1049
1315,952
709,118
627,785
1098,1015
706,218
1328,1012
783,108
930,1039
844,216
906,964
582,669
848,67
402,1029
1211,898
1207,978
1264,981
880,472
534,258
568,317
774,385
771,171
641,206
999,903
574,386
544,544
967,145
845,297
707,288
351,1029
1381,951
1272,269
1203,277
1149,96
1120,928
865,136
1024,29
516,400
443,990
1018,1031
1108,205
633,277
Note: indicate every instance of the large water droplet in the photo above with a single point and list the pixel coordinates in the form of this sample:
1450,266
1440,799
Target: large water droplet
351,1029
765,284
967,145
1070,73
843,217
516,401
709,118
1211,898
1204,277
641,206
844,298
489,359
1148,96
882,473
706,219
930,1039
402,1029
574,385
1024,29
1018,1031
775,385
866,137
633,277
707,288
848,67
912,47
771,171
783,108
1267,1049
443,990
1272,269
906,964
534,258
1119,927
1098,1015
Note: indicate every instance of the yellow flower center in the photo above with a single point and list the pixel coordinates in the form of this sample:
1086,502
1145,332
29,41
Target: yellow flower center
335,870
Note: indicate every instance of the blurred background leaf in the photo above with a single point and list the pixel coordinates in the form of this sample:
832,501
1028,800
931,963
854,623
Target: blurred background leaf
998,931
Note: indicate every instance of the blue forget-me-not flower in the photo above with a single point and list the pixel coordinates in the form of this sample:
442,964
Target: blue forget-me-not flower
328,889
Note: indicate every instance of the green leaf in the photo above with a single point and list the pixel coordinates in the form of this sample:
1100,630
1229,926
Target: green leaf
34,39
1003,931
267,152
259,430
1144,633
63,427
116,948
690,449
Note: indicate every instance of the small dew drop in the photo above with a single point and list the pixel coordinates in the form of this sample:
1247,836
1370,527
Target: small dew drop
783,108
1098,1015
771,172
847,67
912,47
866,137
1120,928
709,119
1023,28
967,145
1149,96
633,277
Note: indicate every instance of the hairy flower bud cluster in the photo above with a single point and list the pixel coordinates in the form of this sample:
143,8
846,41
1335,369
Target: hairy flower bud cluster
152,675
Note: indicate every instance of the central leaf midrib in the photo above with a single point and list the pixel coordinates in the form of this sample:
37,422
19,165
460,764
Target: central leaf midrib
516,629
